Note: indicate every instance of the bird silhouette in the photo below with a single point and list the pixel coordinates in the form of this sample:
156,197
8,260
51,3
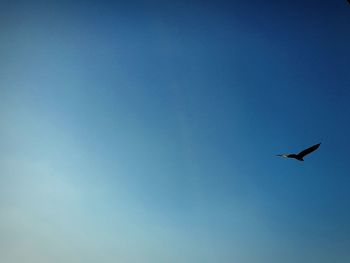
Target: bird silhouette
300,156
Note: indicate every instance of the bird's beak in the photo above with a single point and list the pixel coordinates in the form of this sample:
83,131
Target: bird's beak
282,155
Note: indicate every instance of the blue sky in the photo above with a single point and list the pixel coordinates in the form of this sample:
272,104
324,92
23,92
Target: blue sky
147,131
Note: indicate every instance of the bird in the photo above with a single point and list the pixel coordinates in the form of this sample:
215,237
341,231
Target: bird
300,156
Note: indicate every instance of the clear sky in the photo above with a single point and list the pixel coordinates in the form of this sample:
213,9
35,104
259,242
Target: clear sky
146,132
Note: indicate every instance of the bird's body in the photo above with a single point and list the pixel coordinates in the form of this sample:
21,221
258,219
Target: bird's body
300,156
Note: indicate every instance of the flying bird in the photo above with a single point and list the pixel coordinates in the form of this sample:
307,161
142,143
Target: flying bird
302,154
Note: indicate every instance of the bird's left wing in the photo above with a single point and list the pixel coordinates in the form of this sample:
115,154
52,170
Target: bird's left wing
309,150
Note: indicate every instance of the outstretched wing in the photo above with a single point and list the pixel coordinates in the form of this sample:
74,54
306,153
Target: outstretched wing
309,150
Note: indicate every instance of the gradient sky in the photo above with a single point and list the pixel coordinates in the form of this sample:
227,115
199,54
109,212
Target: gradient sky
146,132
